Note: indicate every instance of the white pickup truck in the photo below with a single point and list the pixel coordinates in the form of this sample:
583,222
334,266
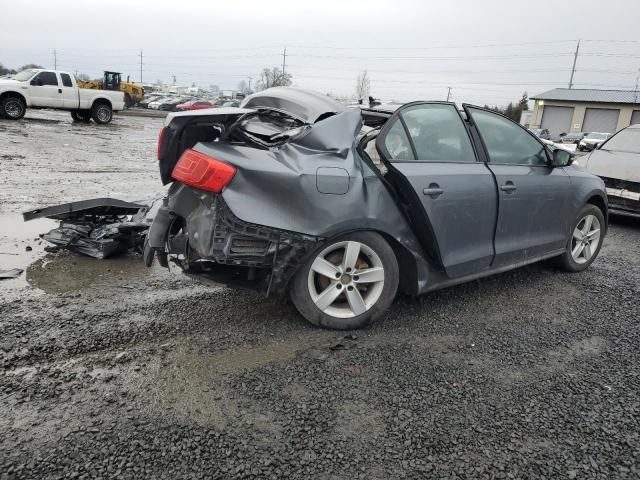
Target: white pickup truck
39,88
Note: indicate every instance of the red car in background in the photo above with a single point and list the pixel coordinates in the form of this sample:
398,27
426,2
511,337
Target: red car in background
195,105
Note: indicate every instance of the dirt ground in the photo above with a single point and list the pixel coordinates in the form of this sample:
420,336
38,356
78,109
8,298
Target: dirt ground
113,370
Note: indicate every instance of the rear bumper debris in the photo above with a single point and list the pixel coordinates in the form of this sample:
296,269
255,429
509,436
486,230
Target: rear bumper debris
99,228
197,231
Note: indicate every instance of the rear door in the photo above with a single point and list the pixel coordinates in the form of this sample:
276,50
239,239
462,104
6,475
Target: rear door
69,93
45,90
449,196
533,196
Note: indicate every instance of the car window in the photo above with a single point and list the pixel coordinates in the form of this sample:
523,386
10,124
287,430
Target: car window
506,142
627,140
397,143
47,78
66,80
438,133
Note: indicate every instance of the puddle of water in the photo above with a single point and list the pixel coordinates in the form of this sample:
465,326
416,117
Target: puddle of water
68,272
16,238
61,272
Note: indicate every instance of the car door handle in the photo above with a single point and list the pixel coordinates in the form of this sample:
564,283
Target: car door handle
59,90
508,187
434,190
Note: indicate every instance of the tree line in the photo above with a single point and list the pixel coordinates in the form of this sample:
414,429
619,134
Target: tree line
10,71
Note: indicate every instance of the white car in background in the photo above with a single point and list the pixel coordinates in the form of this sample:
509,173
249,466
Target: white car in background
592,141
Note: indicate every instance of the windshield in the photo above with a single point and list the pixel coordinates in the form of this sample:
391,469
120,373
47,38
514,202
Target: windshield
626,141
24,75
598,136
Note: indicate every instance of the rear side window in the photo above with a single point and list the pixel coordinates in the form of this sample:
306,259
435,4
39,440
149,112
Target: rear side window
397,143
438,133
66,80
506,142
47,78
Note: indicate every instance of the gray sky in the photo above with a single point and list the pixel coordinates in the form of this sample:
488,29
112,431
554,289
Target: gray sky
489,51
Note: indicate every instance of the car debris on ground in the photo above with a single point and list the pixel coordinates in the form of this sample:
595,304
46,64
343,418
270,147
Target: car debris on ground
99,227
11,273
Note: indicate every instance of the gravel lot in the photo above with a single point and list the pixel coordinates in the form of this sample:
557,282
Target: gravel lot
112,370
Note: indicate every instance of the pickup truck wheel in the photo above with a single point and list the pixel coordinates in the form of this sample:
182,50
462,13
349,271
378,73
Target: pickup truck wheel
586,240
101,113
347,283
12,108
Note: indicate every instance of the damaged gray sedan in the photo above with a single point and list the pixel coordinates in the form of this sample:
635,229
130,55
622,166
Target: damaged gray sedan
340,208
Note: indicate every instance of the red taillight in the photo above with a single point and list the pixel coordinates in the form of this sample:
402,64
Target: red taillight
203,172
160,139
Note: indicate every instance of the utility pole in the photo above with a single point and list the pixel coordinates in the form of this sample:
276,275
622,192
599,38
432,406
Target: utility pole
55,59
448,93
284,60
140,65
250,78
573,68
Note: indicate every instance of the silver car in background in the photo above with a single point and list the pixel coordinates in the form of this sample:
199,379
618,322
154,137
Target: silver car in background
617,162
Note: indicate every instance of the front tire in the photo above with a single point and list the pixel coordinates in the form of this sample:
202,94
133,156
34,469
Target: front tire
12,108
586,240
347,283
101,113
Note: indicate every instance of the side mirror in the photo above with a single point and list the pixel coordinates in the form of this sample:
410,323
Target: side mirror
561,158
33,82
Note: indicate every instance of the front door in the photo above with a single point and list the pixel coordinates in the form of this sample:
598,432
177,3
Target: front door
450,197
533,196
45,90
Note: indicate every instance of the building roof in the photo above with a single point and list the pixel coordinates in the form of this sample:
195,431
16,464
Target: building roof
590,95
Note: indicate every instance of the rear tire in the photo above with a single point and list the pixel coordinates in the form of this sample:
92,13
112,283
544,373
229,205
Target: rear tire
128,101
12,108
347,283
585,242
101,113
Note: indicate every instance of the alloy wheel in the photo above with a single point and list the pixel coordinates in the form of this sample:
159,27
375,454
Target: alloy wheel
346,279
586,238
103,114
13,108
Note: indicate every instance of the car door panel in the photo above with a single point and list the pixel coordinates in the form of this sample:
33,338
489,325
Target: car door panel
49,94
533,197
451,198
532,218
462,216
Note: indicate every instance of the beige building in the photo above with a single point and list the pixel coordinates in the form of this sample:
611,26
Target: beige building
564,110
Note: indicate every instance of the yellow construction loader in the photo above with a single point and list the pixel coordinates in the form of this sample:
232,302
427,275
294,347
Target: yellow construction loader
133,92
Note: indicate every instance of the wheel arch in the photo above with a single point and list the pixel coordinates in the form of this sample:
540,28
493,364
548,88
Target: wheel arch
407,263
101,100
601,203
12,93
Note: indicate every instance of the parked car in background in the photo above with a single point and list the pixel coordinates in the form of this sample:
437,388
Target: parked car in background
592,141
574,137
194,105
171,105
541,133
40,88
617,162
155,105
231,103
152,98
282,196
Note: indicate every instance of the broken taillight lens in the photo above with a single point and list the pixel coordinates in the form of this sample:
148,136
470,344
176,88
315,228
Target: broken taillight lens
160,139
201,171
